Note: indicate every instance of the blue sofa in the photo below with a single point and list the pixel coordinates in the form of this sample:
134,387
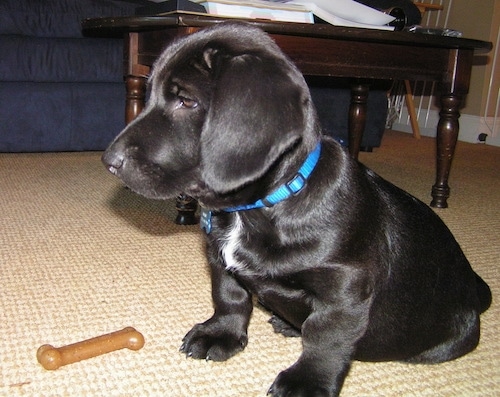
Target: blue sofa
59,91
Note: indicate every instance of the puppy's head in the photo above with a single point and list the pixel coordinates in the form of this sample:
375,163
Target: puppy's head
225,104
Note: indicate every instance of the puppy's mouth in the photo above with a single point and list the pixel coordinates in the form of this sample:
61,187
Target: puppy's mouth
113,170
113,161
146,179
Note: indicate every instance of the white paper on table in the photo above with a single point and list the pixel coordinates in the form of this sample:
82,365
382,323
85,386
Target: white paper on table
349,10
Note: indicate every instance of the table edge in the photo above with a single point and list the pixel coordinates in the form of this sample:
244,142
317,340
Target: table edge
117,26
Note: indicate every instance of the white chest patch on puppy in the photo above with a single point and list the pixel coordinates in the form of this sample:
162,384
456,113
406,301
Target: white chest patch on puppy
230,245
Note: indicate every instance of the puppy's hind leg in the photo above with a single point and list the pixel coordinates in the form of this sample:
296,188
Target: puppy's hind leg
280,326
483,294
463,342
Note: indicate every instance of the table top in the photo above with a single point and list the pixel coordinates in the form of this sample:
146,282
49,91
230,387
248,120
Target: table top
116,27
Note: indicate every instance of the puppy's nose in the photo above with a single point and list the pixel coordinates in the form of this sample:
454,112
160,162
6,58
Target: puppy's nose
113,160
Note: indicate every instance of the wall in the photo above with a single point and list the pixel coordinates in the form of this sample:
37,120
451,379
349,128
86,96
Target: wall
480,114
474,19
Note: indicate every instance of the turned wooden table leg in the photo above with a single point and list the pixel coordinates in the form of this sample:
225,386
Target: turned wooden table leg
186,207
447,135
357,116
135,96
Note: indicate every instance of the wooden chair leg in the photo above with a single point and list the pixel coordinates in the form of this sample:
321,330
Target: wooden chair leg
410,105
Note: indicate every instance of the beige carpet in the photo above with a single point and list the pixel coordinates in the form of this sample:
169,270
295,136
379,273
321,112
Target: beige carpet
81,256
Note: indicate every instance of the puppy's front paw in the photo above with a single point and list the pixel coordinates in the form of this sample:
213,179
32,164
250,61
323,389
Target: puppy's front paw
211,341
295,382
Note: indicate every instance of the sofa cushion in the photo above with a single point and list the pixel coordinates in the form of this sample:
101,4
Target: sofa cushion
45,117
58,18
60,60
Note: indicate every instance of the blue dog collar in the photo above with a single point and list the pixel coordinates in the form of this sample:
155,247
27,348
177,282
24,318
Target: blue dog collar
291,188
288,189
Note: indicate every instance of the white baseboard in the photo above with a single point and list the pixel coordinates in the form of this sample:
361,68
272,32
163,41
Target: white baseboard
470,126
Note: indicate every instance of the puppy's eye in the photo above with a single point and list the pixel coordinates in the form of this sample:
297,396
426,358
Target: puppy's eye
188,103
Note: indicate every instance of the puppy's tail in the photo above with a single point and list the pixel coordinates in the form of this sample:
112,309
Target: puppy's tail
483,294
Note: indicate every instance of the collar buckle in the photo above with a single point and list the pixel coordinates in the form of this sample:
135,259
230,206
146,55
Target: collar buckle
295,185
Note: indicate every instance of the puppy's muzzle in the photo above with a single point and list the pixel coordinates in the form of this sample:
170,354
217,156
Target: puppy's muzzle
113,160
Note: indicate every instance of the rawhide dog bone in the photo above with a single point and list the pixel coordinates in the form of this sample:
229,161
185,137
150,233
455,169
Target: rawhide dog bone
53,358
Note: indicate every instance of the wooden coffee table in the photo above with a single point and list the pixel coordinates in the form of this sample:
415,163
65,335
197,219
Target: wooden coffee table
322,50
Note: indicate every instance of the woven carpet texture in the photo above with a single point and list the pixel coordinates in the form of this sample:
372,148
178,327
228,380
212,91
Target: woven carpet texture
81,256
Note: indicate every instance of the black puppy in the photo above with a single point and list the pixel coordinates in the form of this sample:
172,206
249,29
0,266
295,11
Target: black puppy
357,267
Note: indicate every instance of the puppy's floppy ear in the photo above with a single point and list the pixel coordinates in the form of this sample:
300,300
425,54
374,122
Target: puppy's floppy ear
256,114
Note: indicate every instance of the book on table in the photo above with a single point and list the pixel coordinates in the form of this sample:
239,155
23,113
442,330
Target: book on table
259,9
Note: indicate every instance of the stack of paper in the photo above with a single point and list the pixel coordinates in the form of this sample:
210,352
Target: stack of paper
335,12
